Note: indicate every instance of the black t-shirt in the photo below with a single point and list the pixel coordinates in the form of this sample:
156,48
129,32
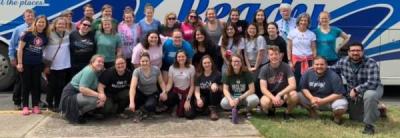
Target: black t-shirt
204,82
242,26
82,48
281,43
115,83
210,50
33,49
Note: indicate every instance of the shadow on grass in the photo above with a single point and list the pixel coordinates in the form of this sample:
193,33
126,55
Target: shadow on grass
303,126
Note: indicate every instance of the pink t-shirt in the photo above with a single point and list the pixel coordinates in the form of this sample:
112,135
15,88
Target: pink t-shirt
155,53
187,30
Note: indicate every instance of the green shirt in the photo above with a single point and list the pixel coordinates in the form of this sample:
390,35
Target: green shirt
107,45
238,84
87,77
96,24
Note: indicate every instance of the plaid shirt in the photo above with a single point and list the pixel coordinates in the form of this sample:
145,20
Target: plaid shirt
366,77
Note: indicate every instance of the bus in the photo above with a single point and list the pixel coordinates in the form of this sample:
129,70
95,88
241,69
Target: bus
375,23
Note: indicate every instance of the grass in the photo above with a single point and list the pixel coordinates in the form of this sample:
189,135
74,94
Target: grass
303,126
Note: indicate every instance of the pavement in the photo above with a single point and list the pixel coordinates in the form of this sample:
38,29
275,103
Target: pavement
49,124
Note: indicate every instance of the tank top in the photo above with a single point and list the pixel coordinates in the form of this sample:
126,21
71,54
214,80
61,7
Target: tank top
214,34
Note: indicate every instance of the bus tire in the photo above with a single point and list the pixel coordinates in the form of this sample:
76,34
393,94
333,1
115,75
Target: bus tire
7,72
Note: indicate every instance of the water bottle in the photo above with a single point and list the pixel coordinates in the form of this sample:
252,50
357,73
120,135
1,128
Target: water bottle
235,118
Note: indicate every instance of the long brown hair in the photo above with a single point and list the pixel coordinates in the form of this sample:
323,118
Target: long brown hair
187,62
200,69
225,37
243,68
33,27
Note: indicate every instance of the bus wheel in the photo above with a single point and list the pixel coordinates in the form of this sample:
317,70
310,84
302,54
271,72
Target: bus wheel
7,72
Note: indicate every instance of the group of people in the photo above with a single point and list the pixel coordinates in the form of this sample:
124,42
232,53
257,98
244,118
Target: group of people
190,68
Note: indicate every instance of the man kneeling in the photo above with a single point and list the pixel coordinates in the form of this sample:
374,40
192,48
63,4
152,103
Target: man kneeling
323,89
277,84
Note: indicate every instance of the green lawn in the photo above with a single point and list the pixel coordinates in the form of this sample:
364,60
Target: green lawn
303,126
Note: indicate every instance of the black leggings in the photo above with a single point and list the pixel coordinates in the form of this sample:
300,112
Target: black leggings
173,100
57,81
31,84
297,73
148,101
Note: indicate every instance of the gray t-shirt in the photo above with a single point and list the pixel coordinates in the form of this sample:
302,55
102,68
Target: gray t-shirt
322,86
253,47
181,77
277,78
147,84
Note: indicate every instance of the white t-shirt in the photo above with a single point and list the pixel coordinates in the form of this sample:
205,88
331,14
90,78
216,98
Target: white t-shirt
155,53
233,48
62,60
301,42
181,77
253,47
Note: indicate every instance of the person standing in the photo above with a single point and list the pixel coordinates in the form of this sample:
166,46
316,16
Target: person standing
58,53
287,23
108,42
326,39
29,18
82,46
130,34
30,51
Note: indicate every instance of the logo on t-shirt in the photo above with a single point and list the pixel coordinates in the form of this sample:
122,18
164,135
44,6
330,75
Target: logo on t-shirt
38,42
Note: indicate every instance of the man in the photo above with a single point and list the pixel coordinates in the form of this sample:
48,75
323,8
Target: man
287,23
29,17
363,80
277,84
322,88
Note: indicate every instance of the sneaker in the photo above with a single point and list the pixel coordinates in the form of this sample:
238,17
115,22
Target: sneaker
213,115
288,116
123,116
248,115
36,110
271,112
313,113
17,107
383,112
25,111
337,121
368,129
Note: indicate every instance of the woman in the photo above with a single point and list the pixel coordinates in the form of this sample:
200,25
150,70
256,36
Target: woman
301,46
152,45
180,86
213,26
57,51
130,34
170,23
148,23
192,21
202,46
238,87
261,21
68,16
80,95
115,82
108,42
207,88
88,12
254,49
273,38
29,56
82,46
230,43
234,18
106,12
144,91
326,39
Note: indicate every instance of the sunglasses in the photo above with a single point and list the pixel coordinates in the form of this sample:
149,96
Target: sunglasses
192,16
87,25
172,18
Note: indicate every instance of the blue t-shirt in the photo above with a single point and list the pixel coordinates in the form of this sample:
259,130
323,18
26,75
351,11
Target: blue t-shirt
326,43
322,86
33,49
170,49
145,28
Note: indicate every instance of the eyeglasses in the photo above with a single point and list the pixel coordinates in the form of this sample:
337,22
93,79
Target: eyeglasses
171,18
87,25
